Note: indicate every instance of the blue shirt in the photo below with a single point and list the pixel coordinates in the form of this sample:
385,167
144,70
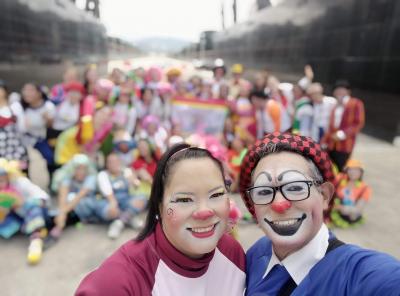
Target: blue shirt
346,270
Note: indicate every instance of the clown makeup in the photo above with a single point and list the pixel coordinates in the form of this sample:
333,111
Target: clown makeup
289,224
292,190
195,207
170,213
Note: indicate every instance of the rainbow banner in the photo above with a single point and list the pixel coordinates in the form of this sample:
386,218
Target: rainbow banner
199,116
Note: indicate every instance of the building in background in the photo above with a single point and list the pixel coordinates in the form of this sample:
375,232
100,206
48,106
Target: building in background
39,38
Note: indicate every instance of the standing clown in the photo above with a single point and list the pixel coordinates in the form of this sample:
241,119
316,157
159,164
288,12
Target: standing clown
286,184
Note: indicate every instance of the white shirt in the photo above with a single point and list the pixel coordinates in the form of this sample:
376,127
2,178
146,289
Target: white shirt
125,117
216,86
300,262
265,123
159,138
35,123
16,109
156,108
304,115
322,114
287,90
29,190
222,278
67,115
340,110
104,182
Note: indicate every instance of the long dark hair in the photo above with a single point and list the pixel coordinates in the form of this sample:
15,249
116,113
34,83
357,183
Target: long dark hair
39,89
86,82
175,154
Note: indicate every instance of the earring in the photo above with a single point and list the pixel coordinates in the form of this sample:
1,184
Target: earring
228,183
157,217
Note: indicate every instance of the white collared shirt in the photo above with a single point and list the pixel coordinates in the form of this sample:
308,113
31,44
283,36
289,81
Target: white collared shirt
340,110
322,113
300,262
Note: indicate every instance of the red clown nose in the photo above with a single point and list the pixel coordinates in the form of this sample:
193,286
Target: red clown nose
281,206
203,215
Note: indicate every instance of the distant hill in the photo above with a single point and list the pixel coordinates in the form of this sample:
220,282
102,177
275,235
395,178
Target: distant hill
161,44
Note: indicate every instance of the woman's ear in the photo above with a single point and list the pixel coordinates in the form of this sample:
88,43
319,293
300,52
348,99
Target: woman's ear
327,191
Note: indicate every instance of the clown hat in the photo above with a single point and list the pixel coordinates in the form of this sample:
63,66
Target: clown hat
74,86
354,163
237,69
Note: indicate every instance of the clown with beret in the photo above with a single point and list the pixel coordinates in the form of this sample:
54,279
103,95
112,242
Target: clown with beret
285,182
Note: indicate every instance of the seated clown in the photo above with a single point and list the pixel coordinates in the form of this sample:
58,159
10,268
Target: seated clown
76,187
115,183
23,208
351,196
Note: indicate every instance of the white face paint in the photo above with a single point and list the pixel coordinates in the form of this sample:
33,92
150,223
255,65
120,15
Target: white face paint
289,224
195,207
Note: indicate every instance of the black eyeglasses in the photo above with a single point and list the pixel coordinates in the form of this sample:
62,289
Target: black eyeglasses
292,191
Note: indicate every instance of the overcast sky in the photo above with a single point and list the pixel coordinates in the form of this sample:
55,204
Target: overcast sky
135,19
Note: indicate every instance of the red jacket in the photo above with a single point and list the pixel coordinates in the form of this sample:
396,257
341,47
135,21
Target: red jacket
353,120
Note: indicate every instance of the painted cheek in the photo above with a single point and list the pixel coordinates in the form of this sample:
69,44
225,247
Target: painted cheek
203,215
170,212
174,216
281,206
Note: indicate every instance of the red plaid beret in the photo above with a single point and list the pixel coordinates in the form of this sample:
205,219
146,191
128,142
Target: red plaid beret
283,141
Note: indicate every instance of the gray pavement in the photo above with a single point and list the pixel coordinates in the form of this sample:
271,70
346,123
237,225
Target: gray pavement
82,249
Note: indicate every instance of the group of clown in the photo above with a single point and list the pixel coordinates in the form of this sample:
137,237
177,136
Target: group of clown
103,138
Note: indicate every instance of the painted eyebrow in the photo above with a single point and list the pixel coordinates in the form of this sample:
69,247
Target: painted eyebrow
183,193
280,176
264,173
178,194
191,193
218,187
